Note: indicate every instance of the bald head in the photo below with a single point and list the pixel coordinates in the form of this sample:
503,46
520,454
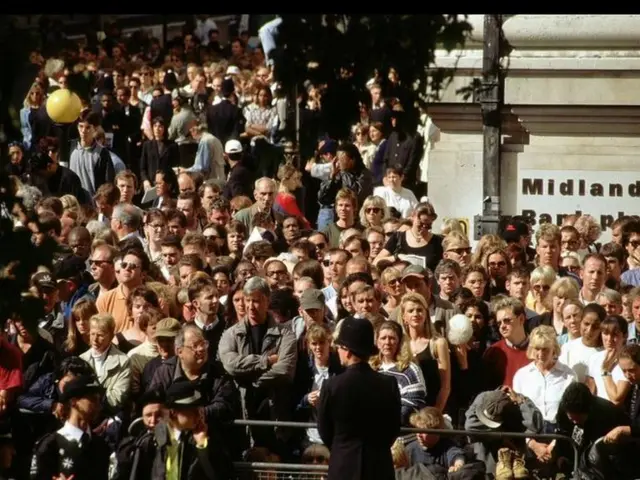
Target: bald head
79,241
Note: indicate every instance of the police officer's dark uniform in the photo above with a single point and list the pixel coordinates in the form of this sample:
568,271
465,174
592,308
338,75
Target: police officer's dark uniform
359,410
149,462
70,451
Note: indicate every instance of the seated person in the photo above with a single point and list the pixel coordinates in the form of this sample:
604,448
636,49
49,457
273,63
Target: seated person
431,449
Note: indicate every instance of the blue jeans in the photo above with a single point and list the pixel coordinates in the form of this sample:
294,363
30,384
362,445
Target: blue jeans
325,217
267,34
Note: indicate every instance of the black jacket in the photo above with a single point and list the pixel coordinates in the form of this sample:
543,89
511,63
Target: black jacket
225,121
147,455
151,160
222,399
55,454
359,420
240,182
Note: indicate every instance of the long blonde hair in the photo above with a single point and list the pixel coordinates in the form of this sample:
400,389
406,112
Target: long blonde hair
430,333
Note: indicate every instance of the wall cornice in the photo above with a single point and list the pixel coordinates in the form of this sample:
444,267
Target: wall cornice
593,32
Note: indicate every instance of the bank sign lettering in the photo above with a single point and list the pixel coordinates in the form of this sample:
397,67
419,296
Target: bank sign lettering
549,195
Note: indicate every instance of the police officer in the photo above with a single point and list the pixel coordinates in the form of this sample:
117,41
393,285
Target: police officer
359,410
181,447
73,451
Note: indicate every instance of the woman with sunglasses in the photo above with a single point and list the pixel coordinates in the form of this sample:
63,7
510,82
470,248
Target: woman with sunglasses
541,280
373,211
418,240
393,288
363,142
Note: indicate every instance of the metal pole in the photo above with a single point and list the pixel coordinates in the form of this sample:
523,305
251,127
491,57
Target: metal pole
491,99
297,135
164,31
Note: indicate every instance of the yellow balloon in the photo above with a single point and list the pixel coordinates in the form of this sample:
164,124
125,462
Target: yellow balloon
63,106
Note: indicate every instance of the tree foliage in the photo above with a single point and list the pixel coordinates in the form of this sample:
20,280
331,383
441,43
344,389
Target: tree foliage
365,44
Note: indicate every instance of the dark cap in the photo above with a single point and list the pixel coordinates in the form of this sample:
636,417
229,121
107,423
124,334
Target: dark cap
416,271
492,408
329,146
514,231
70,268
44,281
183,394
312,299
356,335
80,387
228,87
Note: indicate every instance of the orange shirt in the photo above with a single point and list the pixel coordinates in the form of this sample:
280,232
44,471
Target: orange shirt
115,302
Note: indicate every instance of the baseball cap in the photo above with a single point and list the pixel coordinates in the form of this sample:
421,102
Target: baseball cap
514,231
233,70
312,299
492,408
168,327
232,146
44,281
415,271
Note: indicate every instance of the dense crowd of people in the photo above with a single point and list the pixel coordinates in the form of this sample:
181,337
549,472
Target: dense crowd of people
197,278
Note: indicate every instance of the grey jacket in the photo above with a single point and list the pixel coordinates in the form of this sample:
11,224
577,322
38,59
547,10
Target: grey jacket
252,371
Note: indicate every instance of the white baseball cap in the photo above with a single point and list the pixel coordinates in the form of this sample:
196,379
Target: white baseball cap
232,146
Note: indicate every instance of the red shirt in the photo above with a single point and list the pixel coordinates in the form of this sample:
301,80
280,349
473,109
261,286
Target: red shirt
10,366
502,362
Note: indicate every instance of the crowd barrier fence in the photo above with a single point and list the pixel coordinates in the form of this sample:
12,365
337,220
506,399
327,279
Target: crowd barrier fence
295,471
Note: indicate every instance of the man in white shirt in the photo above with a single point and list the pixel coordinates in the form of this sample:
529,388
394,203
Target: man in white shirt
577,353
396,196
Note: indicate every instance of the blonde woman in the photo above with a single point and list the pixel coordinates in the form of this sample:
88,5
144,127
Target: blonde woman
30,107
70,203
543,381
363,142
590,230
486,243
451,225
430,351
373,211
562,290
541,280
393,288
395,359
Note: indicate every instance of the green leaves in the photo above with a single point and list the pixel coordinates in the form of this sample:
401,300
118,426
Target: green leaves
368,45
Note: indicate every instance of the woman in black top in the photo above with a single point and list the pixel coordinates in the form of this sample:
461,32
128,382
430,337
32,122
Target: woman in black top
418,240
157,154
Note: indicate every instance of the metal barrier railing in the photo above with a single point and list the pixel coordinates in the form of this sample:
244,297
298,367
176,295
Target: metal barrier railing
291,471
